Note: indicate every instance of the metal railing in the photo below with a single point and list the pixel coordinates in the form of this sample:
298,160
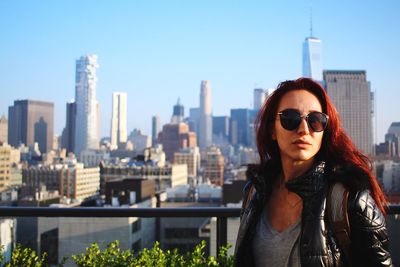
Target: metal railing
221,213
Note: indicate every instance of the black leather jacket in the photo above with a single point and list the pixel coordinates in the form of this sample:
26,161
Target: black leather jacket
318,246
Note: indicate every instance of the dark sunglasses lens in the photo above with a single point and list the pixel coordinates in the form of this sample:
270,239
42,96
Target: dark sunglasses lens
317,121
290,119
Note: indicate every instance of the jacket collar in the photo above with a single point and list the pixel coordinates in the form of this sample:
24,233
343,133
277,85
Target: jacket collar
309,183
305,185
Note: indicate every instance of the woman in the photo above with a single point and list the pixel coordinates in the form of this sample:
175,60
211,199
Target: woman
303,150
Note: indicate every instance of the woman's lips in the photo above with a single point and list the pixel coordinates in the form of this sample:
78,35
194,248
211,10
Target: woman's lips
301,142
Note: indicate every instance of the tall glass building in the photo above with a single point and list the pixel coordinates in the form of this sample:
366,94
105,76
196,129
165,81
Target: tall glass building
87,108
312,58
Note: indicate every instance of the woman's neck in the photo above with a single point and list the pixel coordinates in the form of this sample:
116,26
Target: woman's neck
293,169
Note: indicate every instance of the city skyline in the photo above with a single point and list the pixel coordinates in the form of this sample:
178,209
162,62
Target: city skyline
158,58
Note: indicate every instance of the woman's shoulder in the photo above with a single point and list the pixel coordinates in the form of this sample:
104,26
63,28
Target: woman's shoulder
363,210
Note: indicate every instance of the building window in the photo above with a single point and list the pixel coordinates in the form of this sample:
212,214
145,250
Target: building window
136,226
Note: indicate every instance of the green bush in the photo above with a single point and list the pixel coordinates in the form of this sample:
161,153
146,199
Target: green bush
24,257
113,256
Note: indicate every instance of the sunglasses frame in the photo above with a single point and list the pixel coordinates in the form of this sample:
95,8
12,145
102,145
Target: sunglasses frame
305,117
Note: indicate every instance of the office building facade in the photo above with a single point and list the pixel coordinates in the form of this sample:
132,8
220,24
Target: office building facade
5,166
190,157
155,129
68,134
214,166
240,127
139,140
312,58
194,120
205,125
173,137
220,128
258,98
167,176
178,112
87,108
118,119
351,94
31,121
3,129
74,181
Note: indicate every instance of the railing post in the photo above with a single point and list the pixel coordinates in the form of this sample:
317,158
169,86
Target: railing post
222,232
158,219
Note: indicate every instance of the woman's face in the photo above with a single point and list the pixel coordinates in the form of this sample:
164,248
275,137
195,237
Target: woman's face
301,144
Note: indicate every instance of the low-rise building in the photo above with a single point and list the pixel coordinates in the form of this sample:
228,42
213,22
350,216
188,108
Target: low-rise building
213,166
164,177
190,157
73,181
93,157
9,157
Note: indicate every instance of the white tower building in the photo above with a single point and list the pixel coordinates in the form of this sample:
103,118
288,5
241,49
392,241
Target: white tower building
205,127
118,119
259,98
86,130
312,56
155,129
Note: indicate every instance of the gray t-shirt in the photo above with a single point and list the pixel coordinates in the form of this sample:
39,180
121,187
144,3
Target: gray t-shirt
271,248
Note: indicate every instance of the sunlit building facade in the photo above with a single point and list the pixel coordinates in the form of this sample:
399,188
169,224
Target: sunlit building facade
312,58
87,109
3,129
31,121
118,119
205,125
351,94
214,166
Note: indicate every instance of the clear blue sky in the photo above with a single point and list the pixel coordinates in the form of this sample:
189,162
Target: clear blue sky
157,51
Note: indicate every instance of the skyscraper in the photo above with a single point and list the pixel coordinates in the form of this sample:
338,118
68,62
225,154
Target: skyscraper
118,119
351,94
194,120
178,112
205,129
31,121
240,127
220,127
68,135
259,97
155,129
312,56
87,109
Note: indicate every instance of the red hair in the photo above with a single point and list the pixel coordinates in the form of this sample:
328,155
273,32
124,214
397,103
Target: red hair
336,149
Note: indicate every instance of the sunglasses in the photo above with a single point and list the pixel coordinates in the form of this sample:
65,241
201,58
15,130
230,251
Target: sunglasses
291,119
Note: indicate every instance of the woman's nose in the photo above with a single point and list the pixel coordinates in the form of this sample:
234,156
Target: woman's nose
303,127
